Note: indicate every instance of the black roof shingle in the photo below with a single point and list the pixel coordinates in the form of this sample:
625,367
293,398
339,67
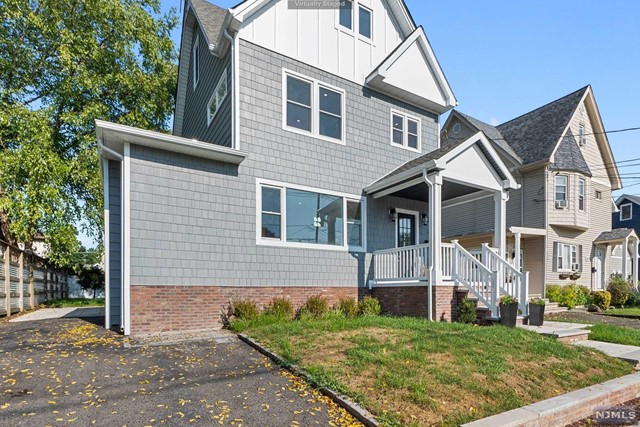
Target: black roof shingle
211,18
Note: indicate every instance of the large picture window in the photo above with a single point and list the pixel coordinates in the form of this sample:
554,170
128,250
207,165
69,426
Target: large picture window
292,216
313,107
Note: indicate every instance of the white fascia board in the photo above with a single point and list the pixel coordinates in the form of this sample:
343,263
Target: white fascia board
377,78
111,133
395,179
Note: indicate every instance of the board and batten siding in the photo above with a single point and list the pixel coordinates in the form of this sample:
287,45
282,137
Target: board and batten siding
195,122
193,221
115,229
313,36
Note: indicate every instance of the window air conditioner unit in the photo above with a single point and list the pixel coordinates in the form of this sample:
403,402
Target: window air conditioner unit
575,267
561,204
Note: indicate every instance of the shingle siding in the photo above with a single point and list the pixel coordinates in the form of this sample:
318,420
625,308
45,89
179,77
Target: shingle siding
115,276
193,221
194,123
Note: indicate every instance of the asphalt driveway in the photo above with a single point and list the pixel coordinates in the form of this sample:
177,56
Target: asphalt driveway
66,371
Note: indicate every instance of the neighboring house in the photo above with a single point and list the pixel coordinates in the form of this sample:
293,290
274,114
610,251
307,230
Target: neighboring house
305,159
625,216
559,221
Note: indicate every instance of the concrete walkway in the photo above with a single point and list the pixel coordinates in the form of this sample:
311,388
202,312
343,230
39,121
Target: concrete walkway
60,313
630,353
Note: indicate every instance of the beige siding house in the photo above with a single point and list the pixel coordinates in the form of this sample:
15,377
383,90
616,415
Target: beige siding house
559,220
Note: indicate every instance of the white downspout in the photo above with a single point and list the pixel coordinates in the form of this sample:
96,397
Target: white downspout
109,150
234,98
431,275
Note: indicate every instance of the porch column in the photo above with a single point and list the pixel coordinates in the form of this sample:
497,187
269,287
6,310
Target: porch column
625,258
634,266
435,225
516,260
500,223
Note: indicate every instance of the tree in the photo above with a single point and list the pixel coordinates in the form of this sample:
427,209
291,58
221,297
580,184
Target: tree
64,64
91,278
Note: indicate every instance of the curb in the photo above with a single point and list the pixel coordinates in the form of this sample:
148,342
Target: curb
567,408
357,411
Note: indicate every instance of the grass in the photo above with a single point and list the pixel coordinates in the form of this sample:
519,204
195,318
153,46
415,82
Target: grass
74,302
615,334
411,372
630,311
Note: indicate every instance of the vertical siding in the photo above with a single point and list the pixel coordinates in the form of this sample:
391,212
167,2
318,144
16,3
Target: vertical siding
194,121
115,276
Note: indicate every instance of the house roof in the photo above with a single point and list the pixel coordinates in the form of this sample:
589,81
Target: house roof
535,135
210,17
568,156
614,235
634,199
492,133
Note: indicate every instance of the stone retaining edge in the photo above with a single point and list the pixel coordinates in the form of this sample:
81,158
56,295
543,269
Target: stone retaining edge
567,408
357,411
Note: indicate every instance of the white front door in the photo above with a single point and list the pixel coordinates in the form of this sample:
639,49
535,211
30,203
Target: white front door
598,264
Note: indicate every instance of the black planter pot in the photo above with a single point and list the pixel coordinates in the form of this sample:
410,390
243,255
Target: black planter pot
536,314
508,314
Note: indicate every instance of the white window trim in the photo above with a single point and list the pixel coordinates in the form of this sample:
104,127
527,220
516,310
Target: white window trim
195,68
584,194
630,212
282,242
355,23
405,131
416,214
573,248
566,192
315,107
223,78
598,195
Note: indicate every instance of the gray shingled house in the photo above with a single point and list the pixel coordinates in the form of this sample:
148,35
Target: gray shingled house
559,221
305,159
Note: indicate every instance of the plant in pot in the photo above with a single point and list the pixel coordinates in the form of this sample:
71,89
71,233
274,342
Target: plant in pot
536,312
508,310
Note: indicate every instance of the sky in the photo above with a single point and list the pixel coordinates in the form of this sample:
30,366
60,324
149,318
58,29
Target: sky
504,58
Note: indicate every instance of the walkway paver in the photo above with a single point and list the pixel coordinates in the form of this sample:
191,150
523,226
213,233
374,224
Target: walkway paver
65,372
629,353
550,327
58,313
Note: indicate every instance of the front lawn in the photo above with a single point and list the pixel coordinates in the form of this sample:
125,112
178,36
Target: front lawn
630,311
411,372
74,302
615,334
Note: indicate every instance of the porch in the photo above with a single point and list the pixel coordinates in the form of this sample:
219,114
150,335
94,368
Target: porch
456,172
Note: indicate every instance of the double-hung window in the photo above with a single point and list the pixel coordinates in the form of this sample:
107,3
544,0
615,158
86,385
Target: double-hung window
313,107
195,58
567,257
364,20
562,185
582,139
581,193
219,94
303,217
626,212
405,131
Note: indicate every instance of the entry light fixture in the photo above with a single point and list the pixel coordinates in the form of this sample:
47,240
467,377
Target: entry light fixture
393,215
425,219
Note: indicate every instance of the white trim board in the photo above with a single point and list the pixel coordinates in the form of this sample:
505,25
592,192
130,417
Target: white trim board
126,238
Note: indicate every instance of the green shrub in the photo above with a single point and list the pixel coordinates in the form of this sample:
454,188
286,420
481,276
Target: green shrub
620,290
584,296
508,299
348,307
467,311
281,308
634,299
245,309
370,306
602,299
553,293
316,306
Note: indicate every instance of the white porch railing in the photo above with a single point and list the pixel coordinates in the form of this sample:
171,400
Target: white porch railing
469,271
511,280
406,265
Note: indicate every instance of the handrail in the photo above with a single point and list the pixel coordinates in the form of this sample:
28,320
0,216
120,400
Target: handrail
401,249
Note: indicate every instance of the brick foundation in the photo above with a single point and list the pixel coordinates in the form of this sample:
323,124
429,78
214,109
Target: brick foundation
413,301
156,309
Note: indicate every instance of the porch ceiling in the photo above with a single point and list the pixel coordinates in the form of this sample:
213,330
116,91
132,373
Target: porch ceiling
450,190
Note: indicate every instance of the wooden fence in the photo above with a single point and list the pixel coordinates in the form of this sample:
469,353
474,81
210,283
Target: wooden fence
26,280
